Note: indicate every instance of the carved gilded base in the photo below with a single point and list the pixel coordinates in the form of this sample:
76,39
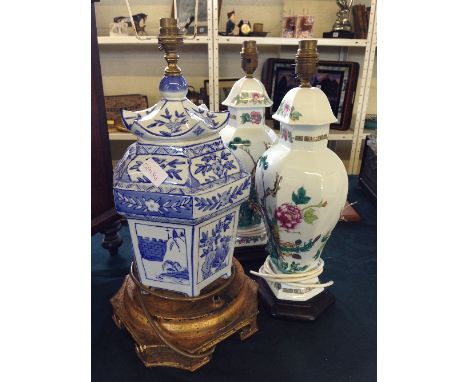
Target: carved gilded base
185,330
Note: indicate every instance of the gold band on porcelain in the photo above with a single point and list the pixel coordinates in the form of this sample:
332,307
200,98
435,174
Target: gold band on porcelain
307,138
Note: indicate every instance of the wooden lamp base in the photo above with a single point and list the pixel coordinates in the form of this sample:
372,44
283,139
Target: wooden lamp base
297,310
170,329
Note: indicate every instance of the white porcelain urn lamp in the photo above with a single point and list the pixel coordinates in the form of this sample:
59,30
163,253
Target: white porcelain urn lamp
302,187
183,229
247,136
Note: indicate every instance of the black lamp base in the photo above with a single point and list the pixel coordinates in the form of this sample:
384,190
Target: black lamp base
308,310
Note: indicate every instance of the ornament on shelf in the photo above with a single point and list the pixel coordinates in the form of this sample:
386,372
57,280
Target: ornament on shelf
181,189
289,26
231,23
342,27
139,21
244,27
304,26
118,29
302,187
248,137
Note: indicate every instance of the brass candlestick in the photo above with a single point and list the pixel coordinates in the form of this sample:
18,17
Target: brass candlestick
306,62
170,39
249,55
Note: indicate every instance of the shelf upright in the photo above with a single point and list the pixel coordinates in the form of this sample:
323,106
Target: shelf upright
212,11
214,96
364,91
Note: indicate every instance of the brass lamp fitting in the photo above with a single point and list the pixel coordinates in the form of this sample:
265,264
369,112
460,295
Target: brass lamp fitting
306,61
170,39
249,55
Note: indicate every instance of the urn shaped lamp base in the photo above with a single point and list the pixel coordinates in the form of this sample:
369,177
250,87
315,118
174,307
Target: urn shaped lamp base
170,329
308,310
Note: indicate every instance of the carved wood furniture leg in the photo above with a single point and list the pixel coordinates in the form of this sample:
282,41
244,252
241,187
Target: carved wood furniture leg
112,240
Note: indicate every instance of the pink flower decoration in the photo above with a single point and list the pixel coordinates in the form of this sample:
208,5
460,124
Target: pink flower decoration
256,117
288,215
256,96
286,107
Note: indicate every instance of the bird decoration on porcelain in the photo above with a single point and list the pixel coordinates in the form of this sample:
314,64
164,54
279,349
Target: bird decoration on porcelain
302,187
182,229
247,136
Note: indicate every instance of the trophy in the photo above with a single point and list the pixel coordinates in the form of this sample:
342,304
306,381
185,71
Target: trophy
342,26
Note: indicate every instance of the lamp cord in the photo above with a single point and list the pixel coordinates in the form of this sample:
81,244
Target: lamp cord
159,332
157,327
299,280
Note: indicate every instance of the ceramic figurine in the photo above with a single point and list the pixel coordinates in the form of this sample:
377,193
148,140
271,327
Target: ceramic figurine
231,23
139,19
302,187
182,230
118,29
244,28
248,137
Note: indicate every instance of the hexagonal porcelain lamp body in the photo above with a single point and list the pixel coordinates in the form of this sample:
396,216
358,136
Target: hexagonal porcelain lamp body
302,187
183,230
248,137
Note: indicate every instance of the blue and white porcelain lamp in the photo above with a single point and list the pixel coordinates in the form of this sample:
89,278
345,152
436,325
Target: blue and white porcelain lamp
247,136
183,230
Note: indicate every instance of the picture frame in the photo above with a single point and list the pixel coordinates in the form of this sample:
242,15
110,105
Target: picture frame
186,8
115,103
338,79
225,86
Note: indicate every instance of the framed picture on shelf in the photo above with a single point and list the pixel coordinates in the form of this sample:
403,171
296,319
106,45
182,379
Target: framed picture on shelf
289,26
185,12
304,27
337,79
115,103
225,86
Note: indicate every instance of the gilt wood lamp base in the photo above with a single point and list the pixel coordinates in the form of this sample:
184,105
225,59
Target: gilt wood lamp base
297,310
187,328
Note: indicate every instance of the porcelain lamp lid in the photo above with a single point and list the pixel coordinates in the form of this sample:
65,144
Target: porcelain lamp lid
174,117
248,92
305,106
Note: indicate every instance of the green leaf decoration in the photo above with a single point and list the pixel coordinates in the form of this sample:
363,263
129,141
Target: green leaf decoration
317,255
245,117
294,115
300,197
263,162
238,141
304,247
283,266
309,216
